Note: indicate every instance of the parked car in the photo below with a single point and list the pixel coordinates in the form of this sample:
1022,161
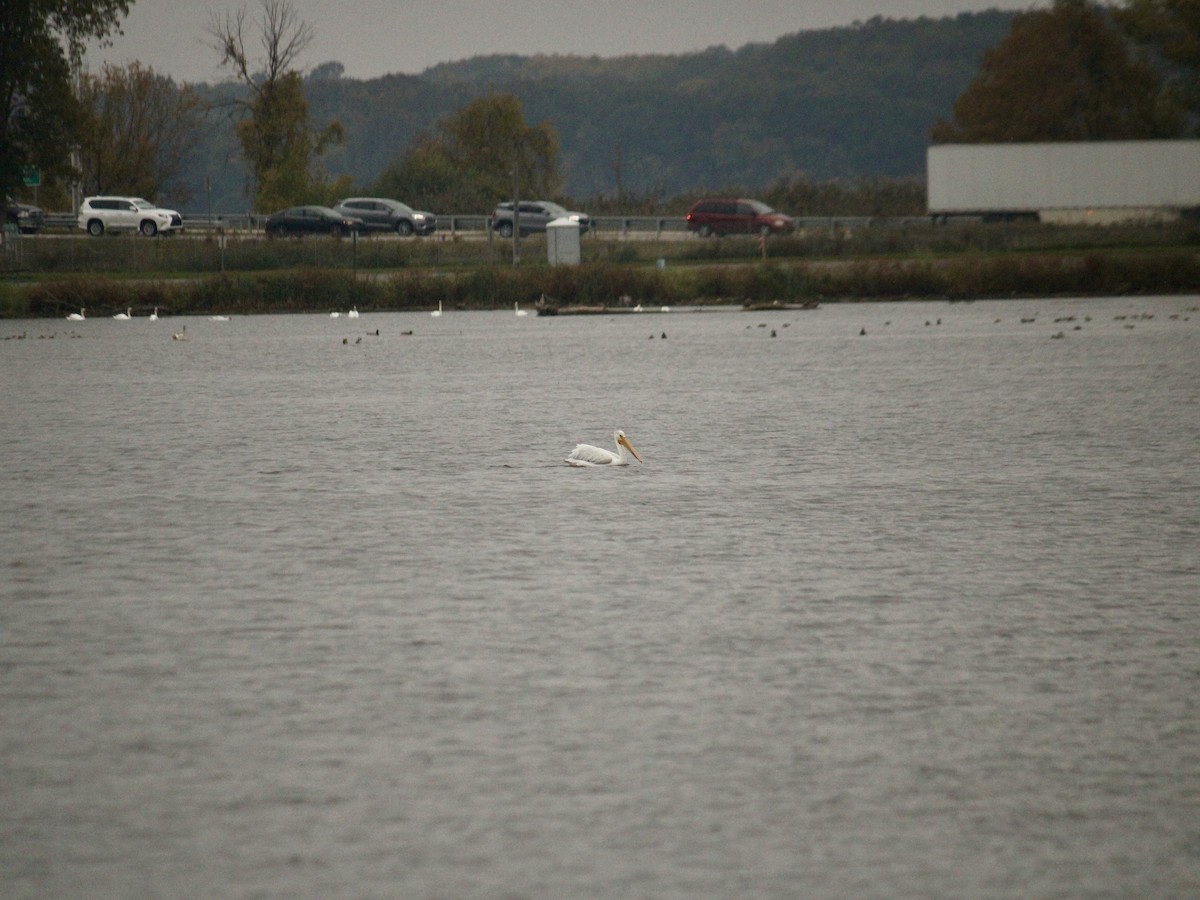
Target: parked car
381,214
28,219
535,216
722,215
100,214
311,220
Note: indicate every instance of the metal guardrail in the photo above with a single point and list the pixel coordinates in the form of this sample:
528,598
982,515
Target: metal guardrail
451,224
242,223
59,221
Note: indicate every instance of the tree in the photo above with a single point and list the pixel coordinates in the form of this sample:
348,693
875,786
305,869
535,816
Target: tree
274,132
1169,32
327,71
478,155
425,175
490,138
1061,74
137,125
39,41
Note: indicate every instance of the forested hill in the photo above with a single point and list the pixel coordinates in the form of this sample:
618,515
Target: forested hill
837,103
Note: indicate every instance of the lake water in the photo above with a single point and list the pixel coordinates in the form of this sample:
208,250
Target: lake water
909,613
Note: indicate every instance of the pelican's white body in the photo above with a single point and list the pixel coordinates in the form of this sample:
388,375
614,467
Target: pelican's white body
587,455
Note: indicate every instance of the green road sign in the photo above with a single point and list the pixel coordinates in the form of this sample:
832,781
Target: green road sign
31,176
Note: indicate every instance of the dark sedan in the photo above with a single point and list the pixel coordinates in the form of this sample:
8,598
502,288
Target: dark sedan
311,220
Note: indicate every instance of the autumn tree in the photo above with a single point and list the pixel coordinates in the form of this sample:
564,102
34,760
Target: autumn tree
39,41
1168,32
476,157
137,125
277,142
1062,74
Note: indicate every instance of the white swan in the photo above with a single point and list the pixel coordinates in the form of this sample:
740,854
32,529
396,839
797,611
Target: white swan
154,315
437,312
218,318
335,314
125,316
180,335
353,314
587,455
76,317
520,312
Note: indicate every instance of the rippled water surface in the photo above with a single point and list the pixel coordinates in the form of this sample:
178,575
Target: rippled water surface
908,613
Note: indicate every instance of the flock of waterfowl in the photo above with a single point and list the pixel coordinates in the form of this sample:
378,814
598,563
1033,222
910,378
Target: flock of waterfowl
588,455
1127,318
1076,323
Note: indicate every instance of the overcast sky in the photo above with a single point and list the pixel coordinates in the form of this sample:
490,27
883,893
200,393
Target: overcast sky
377,37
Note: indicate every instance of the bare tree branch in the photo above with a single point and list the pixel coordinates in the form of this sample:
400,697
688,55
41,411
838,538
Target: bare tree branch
226,32
284,36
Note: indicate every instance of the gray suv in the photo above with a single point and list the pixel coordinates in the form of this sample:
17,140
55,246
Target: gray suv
535,216
381,214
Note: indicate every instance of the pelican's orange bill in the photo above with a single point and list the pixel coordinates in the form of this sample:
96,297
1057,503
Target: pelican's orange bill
624,440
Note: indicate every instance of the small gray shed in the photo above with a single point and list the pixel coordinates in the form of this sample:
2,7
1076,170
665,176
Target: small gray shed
562,242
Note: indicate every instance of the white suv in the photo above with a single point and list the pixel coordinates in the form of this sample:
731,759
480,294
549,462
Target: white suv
99,214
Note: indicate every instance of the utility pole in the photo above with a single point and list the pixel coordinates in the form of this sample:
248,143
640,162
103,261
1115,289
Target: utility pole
620,182
516,235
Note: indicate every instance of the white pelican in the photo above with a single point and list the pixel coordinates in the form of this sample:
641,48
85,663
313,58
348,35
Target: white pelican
154,315
437,312
520,312
125,316
335,314
353,314
76,317
587,455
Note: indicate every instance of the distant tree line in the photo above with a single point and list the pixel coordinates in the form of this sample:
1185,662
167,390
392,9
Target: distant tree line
817,123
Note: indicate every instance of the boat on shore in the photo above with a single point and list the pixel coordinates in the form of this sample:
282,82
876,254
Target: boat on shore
548,306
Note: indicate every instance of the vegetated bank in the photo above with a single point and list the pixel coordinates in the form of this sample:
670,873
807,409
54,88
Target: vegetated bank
614,285
181,277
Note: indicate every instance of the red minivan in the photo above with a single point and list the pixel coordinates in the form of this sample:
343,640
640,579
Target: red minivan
721,215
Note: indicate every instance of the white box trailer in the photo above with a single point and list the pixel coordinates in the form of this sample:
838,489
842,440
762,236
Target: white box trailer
1094,181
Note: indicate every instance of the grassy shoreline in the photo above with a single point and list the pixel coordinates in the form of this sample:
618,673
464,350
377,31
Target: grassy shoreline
181,276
